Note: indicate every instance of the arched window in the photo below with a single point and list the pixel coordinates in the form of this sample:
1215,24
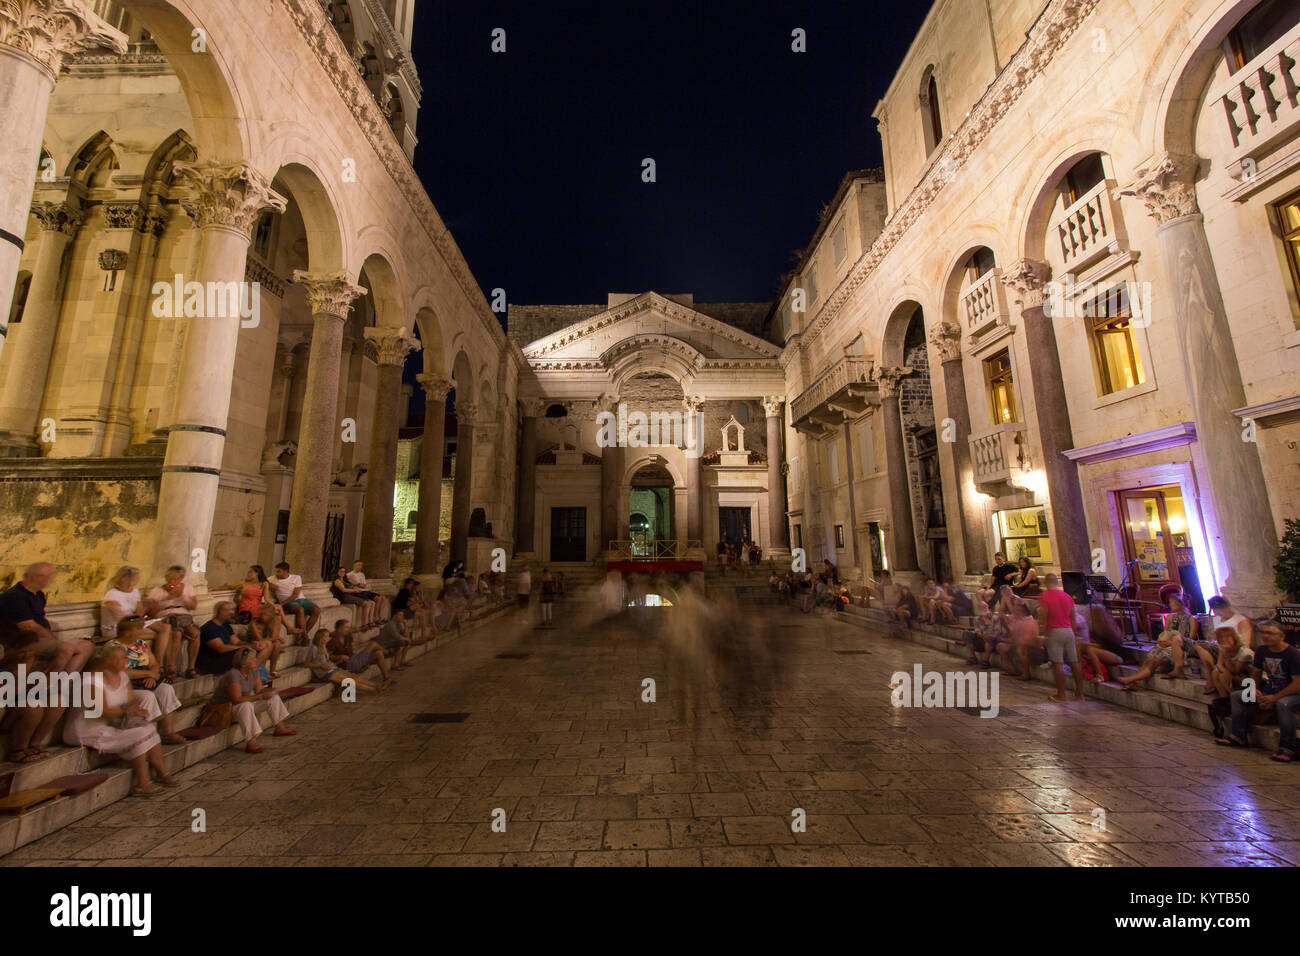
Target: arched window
1083,176
556,411
1257,31
931,118
20,297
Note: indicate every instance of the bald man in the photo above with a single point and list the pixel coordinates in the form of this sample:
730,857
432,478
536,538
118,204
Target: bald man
26,634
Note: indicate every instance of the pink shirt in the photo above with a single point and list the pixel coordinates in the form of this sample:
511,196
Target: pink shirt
1060,609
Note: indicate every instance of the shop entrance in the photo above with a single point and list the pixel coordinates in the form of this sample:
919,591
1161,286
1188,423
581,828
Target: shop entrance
1158,544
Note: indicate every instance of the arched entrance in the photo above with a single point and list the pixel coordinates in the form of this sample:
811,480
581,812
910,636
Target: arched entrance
650,508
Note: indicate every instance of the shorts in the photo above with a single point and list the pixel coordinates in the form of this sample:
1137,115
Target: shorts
1060,646
1163,655
346,598
179,621
359,661
302,603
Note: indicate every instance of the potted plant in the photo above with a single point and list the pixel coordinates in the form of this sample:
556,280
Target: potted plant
1287,568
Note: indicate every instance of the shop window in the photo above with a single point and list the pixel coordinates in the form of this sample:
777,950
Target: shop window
1288,220
1001,388
1022,533
1114,342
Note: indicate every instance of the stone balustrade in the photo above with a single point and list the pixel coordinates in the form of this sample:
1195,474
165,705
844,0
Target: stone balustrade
1262,100
1088,229
984,304
994,453
847,371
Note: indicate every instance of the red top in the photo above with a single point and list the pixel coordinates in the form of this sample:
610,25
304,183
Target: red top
1060,608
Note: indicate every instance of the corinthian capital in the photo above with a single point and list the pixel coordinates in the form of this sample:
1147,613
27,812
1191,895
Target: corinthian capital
946,340
772,405
466,414
1026,278
694,403
50,30
435,386
890,378
58,216
329,293
1166,185
393,345
231,195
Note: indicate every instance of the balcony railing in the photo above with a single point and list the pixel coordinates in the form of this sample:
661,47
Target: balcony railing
1088,229
996,454
1262,100
653,549
847,371
984,304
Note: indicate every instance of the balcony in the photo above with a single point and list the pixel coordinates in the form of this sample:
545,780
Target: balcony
1260,101
984,304
844,390
1088,230
998,453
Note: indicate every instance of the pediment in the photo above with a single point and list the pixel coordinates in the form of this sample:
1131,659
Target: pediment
650,321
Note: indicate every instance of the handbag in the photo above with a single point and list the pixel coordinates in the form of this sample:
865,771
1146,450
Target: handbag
215,715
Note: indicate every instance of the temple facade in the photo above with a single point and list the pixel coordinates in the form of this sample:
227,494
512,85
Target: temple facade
1062,322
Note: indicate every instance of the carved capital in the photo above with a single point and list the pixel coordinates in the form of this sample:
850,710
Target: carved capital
59,217
946,340
435,386
231,195
890,378
155,221
49,31
112,260
393,345
123,215
772,405
467,414
694,403
1166,184
1026,278
329,293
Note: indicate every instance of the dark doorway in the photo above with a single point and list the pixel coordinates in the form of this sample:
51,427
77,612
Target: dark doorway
568,534
332,549
874,546
734,523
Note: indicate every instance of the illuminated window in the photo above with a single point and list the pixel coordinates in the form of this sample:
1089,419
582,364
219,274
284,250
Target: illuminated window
1001,388
1114,345
1288,220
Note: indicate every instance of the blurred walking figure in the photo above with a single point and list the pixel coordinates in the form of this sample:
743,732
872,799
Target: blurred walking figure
690,657
548,597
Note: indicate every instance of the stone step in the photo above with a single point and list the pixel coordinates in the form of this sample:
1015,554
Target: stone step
19,830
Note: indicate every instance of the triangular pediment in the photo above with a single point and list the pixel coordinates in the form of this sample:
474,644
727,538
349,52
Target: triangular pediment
655,321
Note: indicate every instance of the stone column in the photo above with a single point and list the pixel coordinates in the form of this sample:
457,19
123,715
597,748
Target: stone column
902,532
694,471
331,296
464,481
777,504
35,38
224,204
428,516
1247,534
393,346
1052,415
526,489
33,345
947,342
611,471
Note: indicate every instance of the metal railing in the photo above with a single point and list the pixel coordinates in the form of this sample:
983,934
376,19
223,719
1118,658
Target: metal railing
654,549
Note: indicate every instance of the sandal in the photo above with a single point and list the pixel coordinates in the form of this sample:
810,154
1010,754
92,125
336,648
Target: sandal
1229,742
138,791
30,755
1283,757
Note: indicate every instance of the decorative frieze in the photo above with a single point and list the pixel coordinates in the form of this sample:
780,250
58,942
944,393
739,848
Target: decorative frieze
123,215
59,217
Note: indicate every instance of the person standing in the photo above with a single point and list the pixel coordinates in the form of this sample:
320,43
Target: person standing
524,588
1056,623
548,597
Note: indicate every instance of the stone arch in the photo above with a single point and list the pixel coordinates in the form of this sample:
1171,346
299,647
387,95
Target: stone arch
956,274
177,147
94,153
652,460
221,131
1041,192
377,275
319,213
674,359
429,332
895,331
462,374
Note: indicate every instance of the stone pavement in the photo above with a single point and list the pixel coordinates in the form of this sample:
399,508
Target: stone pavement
588,774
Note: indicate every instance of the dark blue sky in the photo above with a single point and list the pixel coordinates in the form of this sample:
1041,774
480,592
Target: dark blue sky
533,157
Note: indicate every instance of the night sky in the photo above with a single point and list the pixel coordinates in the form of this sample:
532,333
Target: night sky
533,157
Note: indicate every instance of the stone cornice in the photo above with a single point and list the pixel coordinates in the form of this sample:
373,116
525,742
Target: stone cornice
1158,439
338,65
394,43
646,302
1054,28
51,30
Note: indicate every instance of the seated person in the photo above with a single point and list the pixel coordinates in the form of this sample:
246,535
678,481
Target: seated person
1276,670
959,601
990,630
357,578
266,626
929,592
124,725
342,650
174,602
123,601
348,593
1187,630
1159,659
1025,583
1232,664
219,644
242,688
1003,572
146,677
907,610
324,669
286,588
